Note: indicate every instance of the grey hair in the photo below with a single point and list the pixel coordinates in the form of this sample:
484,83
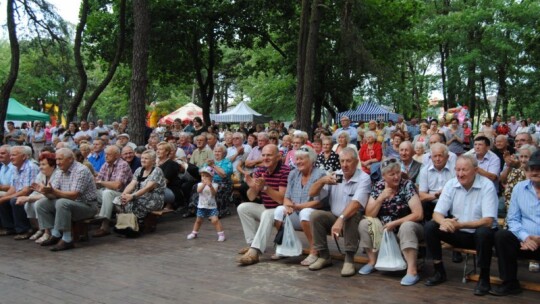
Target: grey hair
470,158
346,134
26,150
222,147
241,134
531,148
7,147
115,148
420,145
390,165
65,152
408,144
310,153
263,134
370,134
440,146
350,151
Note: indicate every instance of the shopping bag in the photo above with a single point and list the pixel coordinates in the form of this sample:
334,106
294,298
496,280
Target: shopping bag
291,244
390,258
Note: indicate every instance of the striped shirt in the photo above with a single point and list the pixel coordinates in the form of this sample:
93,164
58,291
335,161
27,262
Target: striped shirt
25,176
77,178
524,213
277,179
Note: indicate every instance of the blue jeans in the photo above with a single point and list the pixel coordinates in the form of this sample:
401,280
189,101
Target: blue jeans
14,217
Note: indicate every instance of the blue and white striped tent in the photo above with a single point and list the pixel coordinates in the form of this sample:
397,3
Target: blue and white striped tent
369,111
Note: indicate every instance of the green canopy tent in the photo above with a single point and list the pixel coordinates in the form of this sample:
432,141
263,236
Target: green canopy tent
17,111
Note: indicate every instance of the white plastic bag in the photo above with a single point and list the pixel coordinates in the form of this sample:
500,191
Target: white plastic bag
390,258
291,244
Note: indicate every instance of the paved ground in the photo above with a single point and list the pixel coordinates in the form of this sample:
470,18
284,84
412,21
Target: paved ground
164,267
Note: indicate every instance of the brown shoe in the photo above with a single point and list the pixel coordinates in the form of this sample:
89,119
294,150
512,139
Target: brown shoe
61,246
243,250
247,259
100,233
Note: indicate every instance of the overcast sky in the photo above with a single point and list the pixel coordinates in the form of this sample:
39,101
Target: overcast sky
68,9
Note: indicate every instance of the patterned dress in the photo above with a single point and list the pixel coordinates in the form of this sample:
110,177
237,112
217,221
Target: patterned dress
150,201
398,206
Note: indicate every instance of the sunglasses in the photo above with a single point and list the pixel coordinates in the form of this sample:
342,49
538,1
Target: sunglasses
304,149
389,161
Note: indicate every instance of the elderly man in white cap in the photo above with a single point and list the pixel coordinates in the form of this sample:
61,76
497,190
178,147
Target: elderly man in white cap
123,140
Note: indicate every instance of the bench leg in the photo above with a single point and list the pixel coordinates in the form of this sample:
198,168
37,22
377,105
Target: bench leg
150,223
465,272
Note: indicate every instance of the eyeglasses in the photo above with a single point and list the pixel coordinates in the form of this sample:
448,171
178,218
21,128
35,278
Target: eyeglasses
304,149
389,161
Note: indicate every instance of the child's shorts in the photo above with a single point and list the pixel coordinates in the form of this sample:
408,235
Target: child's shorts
204,212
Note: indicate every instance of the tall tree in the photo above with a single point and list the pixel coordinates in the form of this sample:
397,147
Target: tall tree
139,78
113,65
7,86
77,47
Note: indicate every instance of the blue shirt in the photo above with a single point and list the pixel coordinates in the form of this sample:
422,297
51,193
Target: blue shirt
523,216
6,174
352,133
413,130
480,201
97,160
25,176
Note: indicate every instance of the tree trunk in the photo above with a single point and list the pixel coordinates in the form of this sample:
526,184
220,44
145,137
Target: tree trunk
443,75
114,64
14,64
301,57
309,71
502,94
139,77
484,93
83,78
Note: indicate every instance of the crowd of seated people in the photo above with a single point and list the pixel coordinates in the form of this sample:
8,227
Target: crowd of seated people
349,182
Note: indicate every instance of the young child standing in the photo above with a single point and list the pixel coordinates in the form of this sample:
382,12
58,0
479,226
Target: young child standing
207,206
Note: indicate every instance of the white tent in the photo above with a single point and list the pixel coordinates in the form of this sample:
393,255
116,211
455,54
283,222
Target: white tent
186,112
241,113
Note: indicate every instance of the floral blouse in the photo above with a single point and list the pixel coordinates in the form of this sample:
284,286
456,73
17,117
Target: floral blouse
397,206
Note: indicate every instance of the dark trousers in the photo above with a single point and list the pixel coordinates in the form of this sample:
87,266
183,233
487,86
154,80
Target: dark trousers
508,251
14,217
481,240
428,208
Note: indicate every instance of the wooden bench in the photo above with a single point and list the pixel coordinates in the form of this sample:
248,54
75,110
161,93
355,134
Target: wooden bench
150,221
468,253
79,229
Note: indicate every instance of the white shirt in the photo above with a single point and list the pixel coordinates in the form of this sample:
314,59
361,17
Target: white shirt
480,201
341,195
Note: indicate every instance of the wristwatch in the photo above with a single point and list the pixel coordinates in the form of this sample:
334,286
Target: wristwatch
265,188
342,217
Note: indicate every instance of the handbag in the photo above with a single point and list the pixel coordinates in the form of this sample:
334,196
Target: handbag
291,244
390,258
127,224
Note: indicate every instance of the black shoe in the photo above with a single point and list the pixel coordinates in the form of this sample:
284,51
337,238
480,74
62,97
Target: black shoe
482,288
457,257
436,279
52,241
505,290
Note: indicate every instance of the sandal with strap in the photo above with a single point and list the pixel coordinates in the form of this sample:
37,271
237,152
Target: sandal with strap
36,235
310,259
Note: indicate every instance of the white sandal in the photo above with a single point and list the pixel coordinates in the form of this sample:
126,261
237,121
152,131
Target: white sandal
36,235
43,238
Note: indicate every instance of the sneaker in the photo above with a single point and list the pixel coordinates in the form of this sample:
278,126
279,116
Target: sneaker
366,269
221,238
191,236
409,280
320,263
